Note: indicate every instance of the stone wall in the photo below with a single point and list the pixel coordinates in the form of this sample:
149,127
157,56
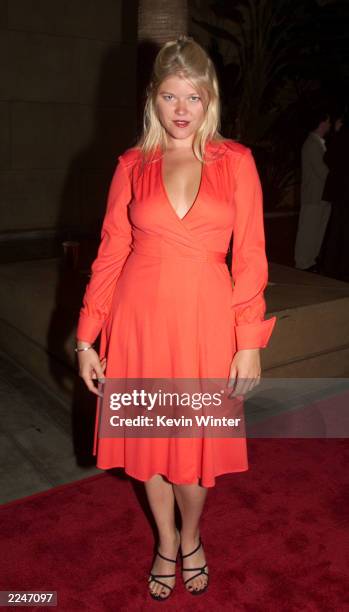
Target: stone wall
67,109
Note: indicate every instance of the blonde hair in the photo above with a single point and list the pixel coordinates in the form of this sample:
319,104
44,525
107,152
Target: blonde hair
186,58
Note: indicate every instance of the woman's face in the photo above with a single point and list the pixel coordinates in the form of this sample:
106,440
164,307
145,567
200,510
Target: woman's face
180,108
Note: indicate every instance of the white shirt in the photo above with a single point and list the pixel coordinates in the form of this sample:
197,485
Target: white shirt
322,140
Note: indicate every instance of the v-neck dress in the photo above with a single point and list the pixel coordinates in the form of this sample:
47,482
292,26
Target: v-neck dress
162,297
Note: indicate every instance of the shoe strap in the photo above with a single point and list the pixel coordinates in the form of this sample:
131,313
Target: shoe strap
196,575
193,551
190,569
163,575
166,558
162,584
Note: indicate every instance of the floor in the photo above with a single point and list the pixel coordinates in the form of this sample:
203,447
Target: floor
36,447
37,439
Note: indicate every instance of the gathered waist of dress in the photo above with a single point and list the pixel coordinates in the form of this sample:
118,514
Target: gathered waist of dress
203,255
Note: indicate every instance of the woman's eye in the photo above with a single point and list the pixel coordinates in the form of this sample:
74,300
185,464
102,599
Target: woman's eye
167,96
195,98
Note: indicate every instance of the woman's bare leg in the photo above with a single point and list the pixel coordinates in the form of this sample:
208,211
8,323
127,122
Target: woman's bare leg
162,503
191,499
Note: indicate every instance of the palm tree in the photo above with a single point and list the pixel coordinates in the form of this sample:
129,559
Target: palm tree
276,55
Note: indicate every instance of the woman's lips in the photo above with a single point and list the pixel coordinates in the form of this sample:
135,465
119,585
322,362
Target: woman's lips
181,123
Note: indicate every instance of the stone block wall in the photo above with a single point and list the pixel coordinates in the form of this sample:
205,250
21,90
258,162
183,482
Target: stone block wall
67,109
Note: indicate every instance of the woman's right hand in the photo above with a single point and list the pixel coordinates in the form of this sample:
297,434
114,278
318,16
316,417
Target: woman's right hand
90,367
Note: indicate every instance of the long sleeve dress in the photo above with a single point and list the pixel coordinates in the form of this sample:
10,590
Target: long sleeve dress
162,297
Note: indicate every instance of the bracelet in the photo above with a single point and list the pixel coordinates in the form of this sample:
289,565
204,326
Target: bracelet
85,348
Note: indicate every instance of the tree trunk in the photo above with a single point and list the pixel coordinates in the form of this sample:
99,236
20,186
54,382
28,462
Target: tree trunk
158,22
161,20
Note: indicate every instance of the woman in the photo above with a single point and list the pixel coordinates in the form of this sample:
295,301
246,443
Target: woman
161,294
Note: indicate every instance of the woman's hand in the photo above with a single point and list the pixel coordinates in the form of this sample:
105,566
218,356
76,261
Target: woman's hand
90,367
245,371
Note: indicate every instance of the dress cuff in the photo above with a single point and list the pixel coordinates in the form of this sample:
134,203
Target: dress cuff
254,335
88,328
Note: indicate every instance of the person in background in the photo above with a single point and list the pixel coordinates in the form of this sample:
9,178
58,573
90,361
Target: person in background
314,211
335,252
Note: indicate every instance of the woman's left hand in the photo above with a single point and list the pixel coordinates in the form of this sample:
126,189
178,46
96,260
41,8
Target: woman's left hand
245,371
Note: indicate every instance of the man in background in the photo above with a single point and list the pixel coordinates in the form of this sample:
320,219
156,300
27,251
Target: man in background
335,250
314,211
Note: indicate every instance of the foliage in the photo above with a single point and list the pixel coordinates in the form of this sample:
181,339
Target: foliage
282,55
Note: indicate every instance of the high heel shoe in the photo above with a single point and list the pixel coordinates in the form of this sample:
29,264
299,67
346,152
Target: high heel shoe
154,577
201,570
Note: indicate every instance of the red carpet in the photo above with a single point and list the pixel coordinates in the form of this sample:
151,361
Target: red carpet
276,537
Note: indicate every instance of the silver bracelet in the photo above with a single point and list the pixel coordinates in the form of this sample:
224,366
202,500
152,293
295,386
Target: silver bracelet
85,348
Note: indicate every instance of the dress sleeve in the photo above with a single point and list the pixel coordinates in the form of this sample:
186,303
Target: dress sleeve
249,266
115,246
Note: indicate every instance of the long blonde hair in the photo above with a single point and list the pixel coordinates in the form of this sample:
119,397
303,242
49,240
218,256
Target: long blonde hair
186,58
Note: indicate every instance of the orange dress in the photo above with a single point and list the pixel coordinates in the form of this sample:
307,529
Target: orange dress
161,295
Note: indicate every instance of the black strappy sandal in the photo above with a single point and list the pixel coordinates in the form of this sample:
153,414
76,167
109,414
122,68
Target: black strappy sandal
154,577
201,570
